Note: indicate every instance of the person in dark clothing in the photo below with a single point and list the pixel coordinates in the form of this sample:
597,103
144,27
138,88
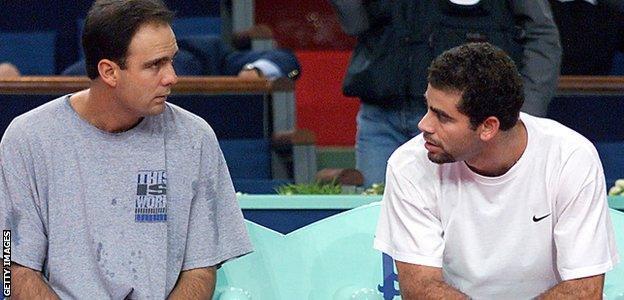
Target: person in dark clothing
398,39
208,55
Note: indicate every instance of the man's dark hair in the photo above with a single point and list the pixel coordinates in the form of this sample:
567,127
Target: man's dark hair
110,26
487,78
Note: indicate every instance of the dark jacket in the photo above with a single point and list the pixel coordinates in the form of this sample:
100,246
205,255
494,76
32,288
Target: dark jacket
391,59
398,39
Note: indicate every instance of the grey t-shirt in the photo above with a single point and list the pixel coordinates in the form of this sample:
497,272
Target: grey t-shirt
116,215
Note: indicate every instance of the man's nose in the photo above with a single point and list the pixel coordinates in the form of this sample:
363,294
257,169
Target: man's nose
425,124
170,77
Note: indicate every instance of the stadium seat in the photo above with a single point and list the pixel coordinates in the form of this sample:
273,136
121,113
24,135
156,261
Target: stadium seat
239,123
230,116
248,158
618,64
249,162
197,26
612,158
31,52
598,118
181,27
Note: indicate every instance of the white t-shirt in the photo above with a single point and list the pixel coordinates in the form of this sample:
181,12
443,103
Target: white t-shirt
509,237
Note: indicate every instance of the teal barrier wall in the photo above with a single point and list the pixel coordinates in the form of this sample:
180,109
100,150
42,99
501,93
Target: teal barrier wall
332,258
617,203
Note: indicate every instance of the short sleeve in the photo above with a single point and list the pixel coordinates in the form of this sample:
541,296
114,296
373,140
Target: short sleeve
583,232
409,228
216,230
23,213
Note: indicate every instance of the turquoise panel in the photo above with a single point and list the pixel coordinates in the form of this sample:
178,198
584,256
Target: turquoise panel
614,281
334,259
617,202
318,261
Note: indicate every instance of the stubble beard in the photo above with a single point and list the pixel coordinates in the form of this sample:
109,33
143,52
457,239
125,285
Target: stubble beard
441,158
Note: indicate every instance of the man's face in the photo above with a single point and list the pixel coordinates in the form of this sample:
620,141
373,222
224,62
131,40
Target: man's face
146,81
447,131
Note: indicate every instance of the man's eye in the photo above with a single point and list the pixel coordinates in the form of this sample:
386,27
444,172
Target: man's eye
158,64
443,118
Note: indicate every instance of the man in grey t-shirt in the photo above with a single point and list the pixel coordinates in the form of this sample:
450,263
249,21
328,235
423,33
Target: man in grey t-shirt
111,192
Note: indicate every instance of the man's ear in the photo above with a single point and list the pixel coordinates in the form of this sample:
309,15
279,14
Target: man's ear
489,128
109,72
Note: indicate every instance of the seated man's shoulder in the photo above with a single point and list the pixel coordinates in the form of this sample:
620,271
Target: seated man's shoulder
556,137
412,154
552,129
38,119
182,121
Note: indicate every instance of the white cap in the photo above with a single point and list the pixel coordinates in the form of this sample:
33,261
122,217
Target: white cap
465,2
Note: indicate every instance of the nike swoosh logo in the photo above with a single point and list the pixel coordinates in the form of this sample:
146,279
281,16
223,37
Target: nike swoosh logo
540,218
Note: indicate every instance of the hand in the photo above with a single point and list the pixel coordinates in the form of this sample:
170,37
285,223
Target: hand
249,74
8,70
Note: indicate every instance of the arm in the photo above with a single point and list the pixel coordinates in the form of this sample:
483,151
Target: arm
542,54
23,213
29,284
410,231
423,282
216,231
209,55
8,70
195,284
581,288
583,232
261,68
272,63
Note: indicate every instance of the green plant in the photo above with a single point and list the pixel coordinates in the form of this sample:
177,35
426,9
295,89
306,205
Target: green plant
332,188
617,189
316,188
375,189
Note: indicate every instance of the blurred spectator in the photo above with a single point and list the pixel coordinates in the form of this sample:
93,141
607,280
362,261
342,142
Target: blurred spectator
8,70
206,55
591,33
398,39
242,40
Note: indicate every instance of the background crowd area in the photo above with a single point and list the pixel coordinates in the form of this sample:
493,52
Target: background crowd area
43,38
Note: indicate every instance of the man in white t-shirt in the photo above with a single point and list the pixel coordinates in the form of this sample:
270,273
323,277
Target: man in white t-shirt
491,203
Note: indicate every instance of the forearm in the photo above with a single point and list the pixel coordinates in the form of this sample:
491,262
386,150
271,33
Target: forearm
29,284
430,289
195,284
424,282
583,288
